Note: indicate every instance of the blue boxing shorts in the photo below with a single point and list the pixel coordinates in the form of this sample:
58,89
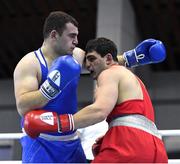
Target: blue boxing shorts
51,150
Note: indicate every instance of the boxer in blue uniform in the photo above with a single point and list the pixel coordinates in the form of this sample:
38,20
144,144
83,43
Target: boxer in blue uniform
62,147
45,83
60,33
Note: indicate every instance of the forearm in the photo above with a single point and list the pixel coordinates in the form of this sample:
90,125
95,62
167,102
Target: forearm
29,101
79,55
121,60
88,116
34,125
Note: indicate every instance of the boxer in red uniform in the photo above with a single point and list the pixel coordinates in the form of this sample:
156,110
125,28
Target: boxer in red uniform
122,98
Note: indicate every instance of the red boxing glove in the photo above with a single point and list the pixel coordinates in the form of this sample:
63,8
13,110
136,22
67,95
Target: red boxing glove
43,121
66,123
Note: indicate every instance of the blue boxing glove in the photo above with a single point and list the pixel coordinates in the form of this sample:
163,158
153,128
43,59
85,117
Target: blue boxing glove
148,51
62,72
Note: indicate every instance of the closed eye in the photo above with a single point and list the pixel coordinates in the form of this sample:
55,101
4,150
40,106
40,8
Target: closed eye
90,58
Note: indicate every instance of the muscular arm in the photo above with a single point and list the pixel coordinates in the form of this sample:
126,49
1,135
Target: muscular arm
106,98
27,95
79,55
153,52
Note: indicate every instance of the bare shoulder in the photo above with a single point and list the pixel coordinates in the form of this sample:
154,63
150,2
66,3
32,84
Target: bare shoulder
118,74
27,63
109,75
113,71
128,82
121,71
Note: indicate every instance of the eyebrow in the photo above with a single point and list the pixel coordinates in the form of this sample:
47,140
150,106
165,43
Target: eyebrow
89,55
73,33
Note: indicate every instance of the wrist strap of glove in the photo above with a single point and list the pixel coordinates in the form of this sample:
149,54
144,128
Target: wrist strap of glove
132,58
66,123
48,91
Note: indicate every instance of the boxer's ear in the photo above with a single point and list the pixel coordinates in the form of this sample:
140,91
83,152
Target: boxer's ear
54,34
108,58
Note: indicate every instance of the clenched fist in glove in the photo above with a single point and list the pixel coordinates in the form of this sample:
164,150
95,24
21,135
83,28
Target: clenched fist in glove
62,72
148,51
42,121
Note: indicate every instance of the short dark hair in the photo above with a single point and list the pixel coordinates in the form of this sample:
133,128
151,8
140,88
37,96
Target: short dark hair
102,46
57,20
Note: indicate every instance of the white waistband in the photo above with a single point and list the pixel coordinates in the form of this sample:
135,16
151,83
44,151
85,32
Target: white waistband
136,121
49,137
68,137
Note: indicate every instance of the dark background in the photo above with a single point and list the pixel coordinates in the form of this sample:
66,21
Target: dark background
21,23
